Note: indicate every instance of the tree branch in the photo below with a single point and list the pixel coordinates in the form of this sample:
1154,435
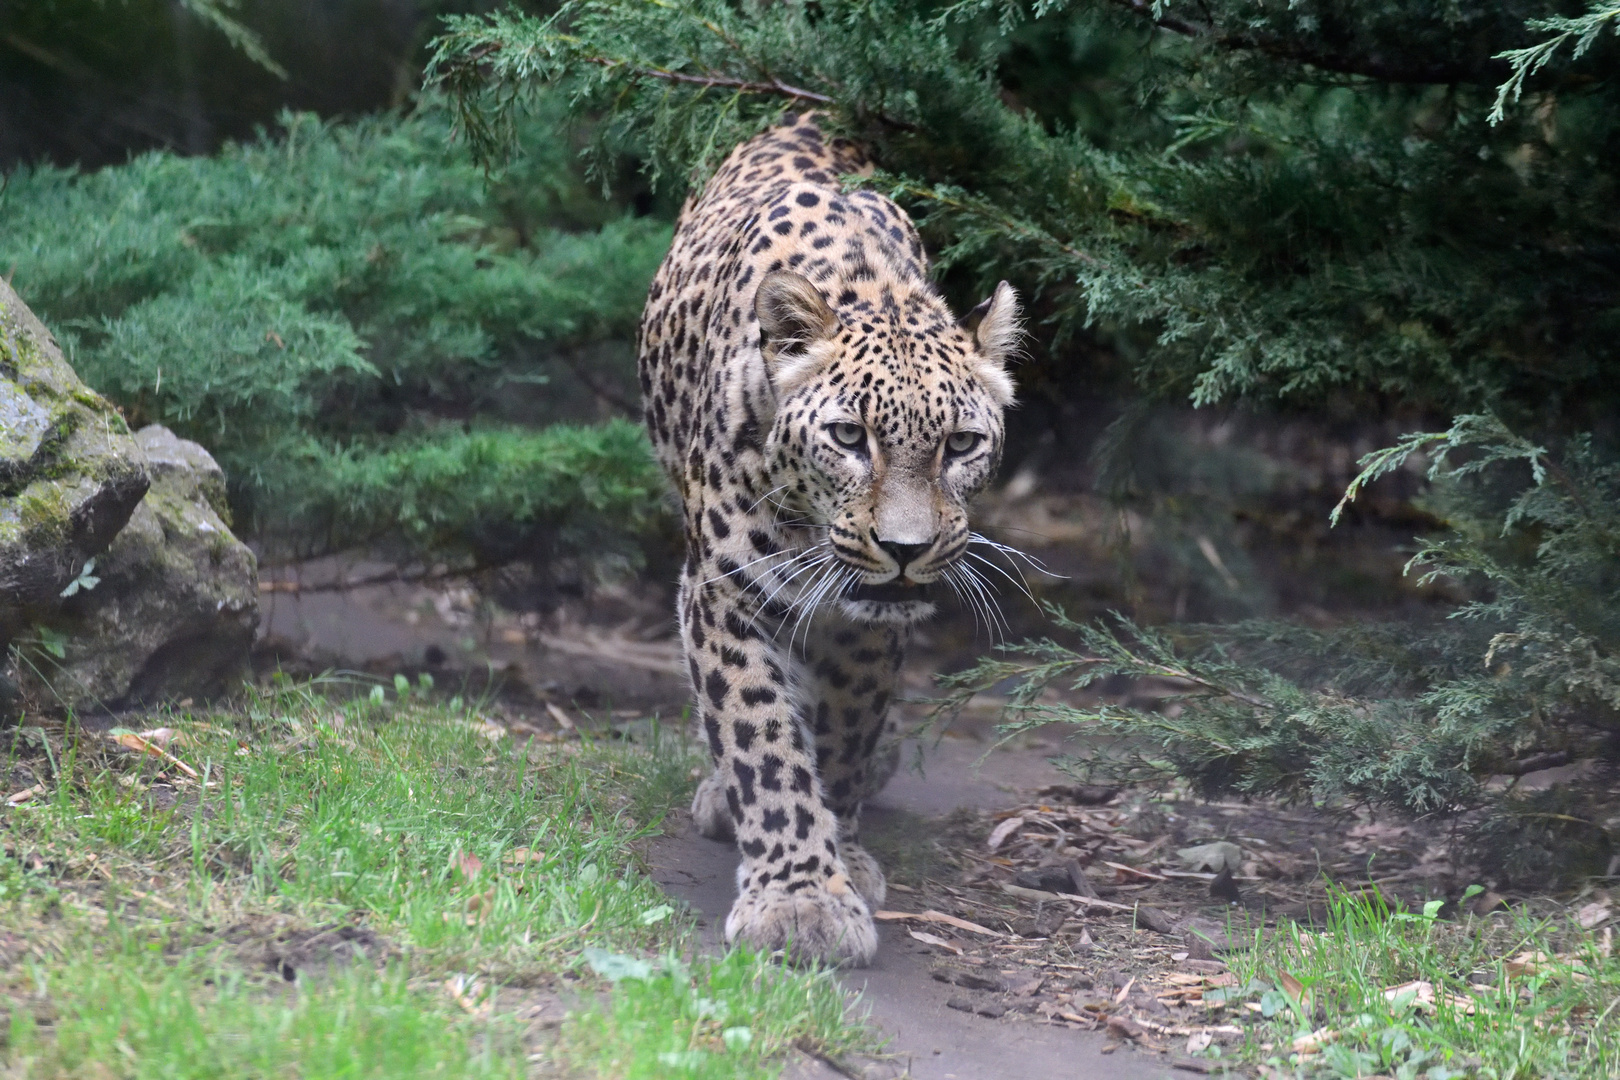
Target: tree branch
1488,73
774,86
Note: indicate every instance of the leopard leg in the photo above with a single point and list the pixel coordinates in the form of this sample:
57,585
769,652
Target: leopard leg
851,670
710,813
794,889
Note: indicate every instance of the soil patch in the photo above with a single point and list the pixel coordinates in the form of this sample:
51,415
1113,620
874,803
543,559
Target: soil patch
310,951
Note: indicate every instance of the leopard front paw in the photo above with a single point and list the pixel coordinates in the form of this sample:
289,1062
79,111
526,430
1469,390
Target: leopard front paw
710,812
822,920
864,873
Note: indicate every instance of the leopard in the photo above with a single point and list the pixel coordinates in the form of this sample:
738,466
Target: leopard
825,421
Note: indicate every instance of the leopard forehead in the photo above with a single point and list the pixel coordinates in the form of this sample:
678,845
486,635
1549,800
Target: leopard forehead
901,382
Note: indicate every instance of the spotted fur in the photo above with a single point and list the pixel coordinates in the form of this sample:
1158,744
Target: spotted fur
825,420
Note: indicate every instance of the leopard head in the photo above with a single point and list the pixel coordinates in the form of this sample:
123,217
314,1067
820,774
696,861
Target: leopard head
888,421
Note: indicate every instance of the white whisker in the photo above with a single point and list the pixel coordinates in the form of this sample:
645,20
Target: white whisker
949,577
976,582
1023,585
752,562
1012,553
765,496
821,557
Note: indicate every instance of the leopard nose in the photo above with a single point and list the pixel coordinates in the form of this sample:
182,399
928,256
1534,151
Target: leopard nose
904,554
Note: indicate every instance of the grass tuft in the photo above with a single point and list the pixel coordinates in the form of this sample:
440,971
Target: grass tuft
1413,996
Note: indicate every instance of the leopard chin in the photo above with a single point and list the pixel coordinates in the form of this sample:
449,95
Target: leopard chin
873,612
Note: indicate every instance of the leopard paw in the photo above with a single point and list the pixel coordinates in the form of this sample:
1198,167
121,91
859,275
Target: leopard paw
865,875
825,920
710,812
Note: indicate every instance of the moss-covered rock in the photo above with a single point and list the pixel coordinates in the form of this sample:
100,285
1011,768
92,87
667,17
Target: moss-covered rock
70,472
175,608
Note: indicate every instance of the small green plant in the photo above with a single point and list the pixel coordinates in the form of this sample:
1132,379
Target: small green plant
85,581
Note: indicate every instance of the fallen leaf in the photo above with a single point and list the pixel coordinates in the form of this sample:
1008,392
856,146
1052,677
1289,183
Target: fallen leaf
939,917
562,718
1526,963
1221,855
466,864
161,736
1422,996
1125,1028
1000,833
468,991
1593,914
1040,896
1158,921
1313,1042
1134,872
480,905
1125,991
519,856
1296,990
933,939
132,741
16,798
487,729
1199,1041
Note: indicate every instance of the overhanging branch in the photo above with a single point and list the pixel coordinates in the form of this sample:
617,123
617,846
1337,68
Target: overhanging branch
713,79
1486,73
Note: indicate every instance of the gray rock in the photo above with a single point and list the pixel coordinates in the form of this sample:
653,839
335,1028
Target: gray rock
175,611
174,603
70,473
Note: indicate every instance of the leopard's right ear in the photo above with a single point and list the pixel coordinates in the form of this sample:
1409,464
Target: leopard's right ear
795,328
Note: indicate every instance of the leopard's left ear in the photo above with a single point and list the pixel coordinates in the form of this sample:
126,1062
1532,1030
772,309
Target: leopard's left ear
997,333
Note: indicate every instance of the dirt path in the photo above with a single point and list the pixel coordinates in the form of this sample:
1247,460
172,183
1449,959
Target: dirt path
926,1036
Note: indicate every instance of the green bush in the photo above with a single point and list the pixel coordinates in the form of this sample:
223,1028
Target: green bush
364,329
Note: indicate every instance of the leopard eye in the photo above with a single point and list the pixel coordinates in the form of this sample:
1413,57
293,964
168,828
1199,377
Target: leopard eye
962,441
850,435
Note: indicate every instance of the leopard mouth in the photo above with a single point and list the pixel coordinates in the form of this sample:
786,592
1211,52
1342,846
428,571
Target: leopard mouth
899,591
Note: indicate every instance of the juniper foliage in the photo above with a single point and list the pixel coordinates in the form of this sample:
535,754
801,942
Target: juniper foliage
371,338
1524,676
1383,203
1296,199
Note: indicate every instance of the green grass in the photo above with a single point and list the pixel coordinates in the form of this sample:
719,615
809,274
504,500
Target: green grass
126,1011
703,1021
1555,1017
131,888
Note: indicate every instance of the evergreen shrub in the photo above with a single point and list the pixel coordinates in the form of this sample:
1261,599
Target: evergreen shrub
370,334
